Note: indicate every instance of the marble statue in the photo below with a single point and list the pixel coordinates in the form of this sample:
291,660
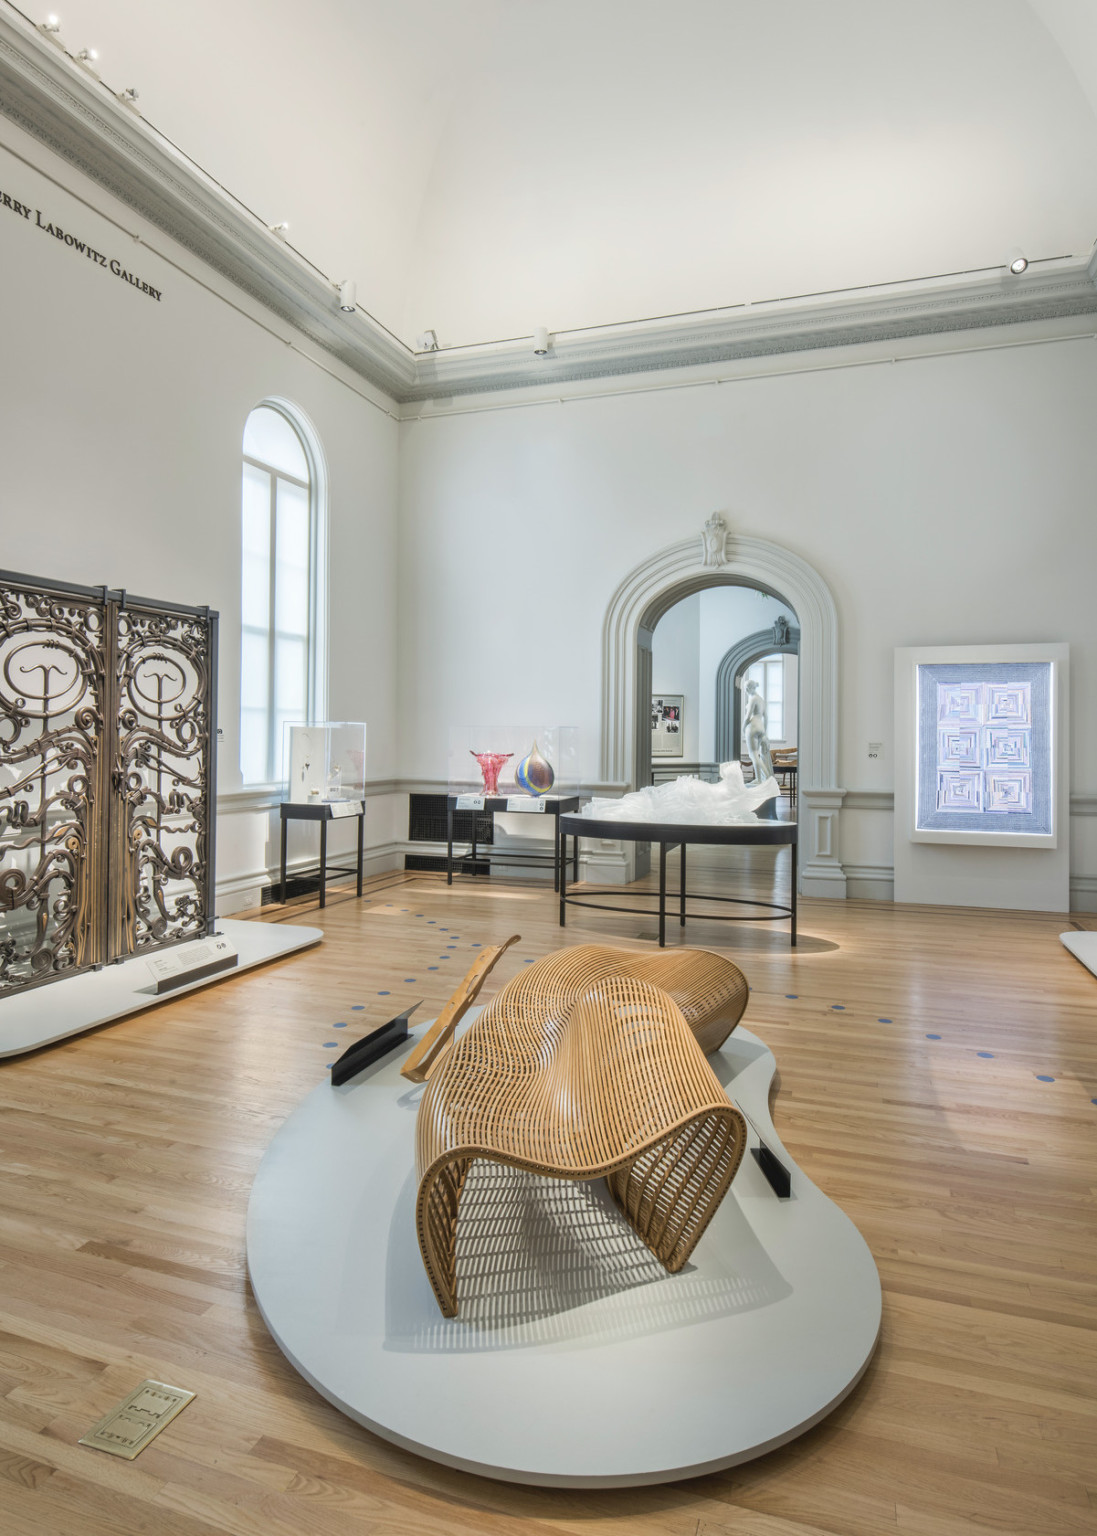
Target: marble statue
755,737
689,799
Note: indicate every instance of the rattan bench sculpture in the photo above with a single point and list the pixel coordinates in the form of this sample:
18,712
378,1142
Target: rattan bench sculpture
589,1064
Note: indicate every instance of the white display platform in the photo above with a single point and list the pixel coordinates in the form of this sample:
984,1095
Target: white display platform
576,1360
1083,946
32,1019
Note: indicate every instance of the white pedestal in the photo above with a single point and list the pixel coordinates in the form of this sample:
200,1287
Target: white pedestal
576,1360
1083,946
78,1003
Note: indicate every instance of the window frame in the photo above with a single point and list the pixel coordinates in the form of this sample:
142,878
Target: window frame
773,658
316,638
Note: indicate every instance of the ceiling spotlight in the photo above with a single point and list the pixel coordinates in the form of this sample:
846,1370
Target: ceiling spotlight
427,342
51,24
540,341
348,303
129,96
281,230
1018,261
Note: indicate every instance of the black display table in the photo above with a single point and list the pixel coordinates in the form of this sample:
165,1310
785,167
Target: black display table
493,805
324,811
671,834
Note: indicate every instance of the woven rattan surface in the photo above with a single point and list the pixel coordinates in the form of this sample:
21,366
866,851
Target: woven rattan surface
590,1064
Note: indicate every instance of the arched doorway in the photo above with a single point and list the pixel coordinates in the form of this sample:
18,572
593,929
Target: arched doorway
714,558
780,640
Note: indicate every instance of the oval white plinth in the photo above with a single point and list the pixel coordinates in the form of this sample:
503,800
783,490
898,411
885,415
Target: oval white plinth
576,1360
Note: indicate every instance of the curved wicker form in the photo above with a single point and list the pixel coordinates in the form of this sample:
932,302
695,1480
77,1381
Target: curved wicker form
589,1064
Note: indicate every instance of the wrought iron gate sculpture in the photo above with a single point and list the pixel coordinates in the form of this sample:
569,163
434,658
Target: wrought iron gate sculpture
107,777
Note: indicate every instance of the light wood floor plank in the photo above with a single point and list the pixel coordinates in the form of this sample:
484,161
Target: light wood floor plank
127,1156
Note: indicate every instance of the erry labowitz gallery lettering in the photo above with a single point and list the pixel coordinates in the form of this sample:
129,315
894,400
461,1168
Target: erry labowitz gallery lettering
74,243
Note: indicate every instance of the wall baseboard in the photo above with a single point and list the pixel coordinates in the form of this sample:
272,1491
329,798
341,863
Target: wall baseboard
870,882
1083,893
241,892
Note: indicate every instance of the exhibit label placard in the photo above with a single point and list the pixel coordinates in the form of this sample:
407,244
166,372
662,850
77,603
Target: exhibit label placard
191,962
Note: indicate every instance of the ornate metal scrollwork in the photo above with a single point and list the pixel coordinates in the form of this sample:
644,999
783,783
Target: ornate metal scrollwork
161,834
106,778
53,679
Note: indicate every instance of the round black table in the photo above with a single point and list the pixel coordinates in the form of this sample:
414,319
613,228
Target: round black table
671,834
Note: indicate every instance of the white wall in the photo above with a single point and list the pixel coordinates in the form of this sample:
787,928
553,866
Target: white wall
675,668
944,498
120,429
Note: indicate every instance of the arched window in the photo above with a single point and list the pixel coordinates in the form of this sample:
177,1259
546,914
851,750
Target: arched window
281,593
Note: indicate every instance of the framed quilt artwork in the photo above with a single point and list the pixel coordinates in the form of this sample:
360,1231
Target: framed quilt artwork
985,748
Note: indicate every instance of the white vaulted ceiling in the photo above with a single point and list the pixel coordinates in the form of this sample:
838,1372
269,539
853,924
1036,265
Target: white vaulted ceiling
484,166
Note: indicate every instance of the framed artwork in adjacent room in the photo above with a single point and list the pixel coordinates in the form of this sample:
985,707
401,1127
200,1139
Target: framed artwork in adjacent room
667,739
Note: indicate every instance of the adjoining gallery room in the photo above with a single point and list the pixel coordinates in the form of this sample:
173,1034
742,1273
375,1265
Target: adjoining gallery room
548,818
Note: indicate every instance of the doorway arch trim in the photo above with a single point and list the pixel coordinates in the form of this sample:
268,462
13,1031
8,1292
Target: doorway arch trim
679,570
727,737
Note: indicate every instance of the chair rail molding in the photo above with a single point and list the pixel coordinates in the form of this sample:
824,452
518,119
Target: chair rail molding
676,572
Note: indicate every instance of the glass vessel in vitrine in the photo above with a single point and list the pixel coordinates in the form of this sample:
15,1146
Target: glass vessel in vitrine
325,761
533,760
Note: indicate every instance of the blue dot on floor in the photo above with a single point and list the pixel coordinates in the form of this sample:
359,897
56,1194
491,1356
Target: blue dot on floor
1093,1101
477,946
329,1045
527,962
431,921
408,978
432,967
418,914
384,994
443,930
1042,1077
838,1007
984,1053
883,1021
338,1026
933,1037
792,994
330,1065
357,1007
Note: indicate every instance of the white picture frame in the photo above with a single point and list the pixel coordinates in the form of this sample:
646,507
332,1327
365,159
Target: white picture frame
981,744
667,725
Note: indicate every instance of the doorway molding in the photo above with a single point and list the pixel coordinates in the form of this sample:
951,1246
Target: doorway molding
731,559
727,737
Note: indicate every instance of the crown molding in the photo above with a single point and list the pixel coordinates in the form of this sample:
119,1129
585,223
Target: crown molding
50,96
933,307
75,115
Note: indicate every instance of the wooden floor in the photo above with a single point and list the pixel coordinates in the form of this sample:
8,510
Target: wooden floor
913,1044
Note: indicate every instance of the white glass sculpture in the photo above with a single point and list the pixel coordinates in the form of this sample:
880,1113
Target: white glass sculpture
689,799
